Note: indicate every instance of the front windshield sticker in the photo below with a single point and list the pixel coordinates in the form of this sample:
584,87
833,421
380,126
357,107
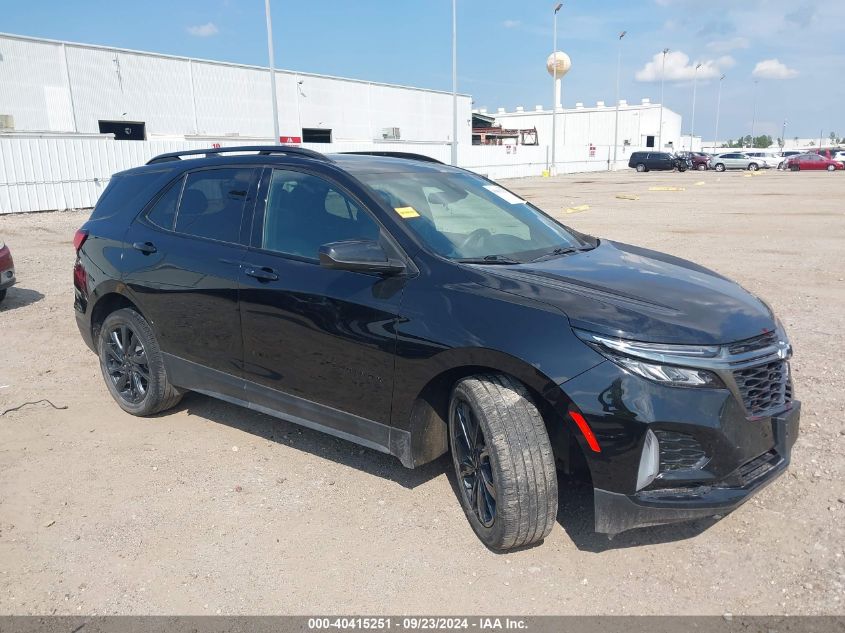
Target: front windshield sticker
407,212
504,194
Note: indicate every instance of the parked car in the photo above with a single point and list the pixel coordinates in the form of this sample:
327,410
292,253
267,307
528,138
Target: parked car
696,160
418,309
839,156
7,270
657,161
735,160
812,161
769,159
787,154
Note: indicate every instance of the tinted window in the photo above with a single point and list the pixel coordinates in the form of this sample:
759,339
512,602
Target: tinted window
163,213
126,193
212,203
304,212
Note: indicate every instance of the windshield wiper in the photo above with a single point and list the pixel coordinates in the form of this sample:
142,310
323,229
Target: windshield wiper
489,259
559,251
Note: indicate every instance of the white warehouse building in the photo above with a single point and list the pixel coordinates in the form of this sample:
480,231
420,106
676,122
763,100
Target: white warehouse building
588,131
63,87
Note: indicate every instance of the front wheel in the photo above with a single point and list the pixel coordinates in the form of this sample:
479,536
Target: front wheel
795,168
701,167
503,461
720,167
831,167
132,365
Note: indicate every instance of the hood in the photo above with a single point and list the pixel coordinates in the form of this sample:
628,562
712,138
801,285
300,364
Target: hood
631,292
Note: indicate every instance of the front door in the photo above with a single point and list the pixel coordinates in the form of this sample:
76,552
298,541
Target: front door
320,338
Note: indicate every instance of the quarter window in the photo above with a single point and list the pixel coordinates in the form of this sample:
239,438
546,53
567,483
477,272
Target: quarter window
212,203
304,212
163,213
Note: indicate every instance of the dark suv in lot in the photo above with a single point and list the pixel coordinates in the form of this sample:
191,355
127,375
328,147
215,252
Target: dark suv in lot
420,309
657,161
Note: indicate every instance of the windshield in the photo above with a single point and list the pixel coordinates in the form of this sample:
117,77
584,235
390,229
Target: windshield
464,217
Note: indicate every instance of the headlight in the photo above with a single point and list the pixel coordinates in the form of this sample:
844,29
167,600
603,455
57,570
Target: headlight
658,362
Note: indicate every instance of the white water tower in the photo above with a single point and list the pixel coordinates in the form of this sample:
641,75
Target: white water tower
558,64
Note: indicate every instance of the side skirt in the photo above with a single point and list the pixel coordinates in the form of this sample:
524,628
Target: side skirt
217,384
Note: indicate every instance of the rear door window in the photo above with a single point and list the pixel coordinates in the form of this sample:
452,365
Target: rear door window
212,203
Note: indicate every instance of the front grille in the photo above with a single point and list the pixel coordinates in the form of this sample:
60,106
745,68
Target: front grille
679,451
754,343
765,389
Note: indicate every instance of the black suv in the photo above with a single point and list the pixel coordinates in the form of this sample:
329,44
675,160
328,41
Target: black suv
657,161
420,309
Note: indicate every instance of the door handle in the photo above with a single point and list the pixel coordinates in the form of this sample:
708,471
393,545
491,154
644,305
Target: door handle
261,274
145,247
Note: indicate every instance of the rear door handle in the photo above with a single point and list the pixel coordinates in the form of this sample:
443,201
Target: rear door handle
261,273
145,247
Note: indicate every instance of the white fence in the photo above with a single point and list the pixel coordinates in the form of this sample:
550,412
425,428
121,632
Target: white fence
60,172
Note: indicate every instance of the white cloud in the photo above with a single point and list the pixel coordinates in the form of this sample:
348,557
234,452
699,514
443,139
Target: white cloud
728,45
679,67
773,69
511,24
204,30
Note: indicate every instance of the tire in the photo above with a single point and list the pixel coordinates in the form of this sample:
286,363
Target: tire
641,168
701,167
795,168
831,167
719,167
140,388
3,294
753,167
511,456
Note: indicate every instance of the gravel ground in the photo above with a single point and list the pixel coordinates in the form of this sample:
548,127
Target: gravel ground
216,509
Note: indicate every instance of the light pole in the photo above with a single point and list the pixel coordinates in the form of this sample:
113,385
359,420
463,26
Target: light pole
718,106
455,82
272,70
692,122
662,78
616,122
554,88
783,137
754,114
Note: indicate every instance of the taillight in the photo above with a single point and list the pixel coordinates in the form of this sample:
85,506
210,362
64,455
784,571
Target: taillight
79,239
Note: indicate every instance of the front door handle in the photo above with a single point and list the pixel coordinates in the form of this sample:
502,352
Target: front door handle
145,247
261,274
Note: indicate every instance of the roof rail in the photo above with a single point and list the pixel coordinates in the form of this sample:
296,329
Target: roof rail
262,150
406,155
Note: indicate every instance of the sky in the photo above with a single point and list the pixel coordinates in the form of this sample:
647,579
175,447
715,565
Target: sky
782,58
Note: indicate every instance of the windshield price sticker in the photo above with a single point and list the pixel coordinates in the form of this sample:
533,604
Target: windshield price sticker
407,212
504,194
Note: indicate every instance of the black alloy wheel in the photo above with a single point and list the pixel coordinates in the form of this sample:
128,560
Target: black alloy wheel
127,364
472,461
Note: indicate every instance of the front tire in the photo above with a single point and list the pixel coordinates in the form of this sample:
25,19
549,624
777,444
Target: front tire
503,461
701,167
132,365
831,167
641,168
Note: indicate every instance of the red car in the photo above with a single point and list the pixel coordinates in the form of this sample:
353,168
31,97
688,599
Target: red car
7,270
812,161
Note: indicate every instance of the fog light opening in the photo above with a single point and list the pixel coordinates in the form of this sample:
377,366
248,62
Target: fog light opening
649,461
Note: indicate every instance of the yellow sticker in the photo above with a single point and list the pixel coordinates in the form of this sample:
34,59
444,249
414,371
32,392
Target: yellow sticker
407,212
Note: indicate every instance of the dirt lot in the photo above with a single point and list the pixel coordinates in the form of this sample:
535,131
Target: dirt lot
215,509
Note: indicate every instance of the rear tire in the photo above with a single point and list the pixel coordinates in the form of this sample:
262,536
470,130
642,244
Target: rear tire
719,167
503,461
701,167
831,167
641,168
753,167
795,168
133,366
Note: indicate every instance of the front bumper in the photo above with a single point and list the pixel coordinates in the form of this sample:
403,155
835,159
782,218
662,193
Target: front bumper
618,512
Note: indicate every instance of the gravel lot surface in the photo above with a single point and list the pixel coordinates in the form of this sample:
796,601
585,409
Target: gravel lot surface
212,508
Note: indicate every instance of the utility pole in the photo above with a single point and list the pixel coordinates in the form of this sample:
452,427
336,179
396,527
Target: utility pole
454,82
754,114
552,168
692,123
616,123
662,79
718,107
272,70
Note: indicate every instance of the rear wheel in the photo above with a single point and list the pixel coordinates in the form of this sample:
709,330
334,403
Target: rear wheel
701,167
795,168
831,167
503,461
132,365
641,168
753,167
720,167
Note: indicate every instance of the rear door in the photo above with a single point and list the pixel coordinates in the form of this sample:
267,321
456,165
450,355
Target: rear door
183,259
323,340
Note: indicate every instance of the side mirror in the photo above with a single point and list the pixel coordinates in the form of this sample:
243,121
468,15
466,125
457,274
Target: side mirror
366,256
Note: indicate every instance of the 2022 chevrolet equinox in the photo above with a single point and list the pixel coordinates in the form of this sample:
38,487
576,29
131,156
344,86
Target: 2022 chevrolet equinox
419,309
